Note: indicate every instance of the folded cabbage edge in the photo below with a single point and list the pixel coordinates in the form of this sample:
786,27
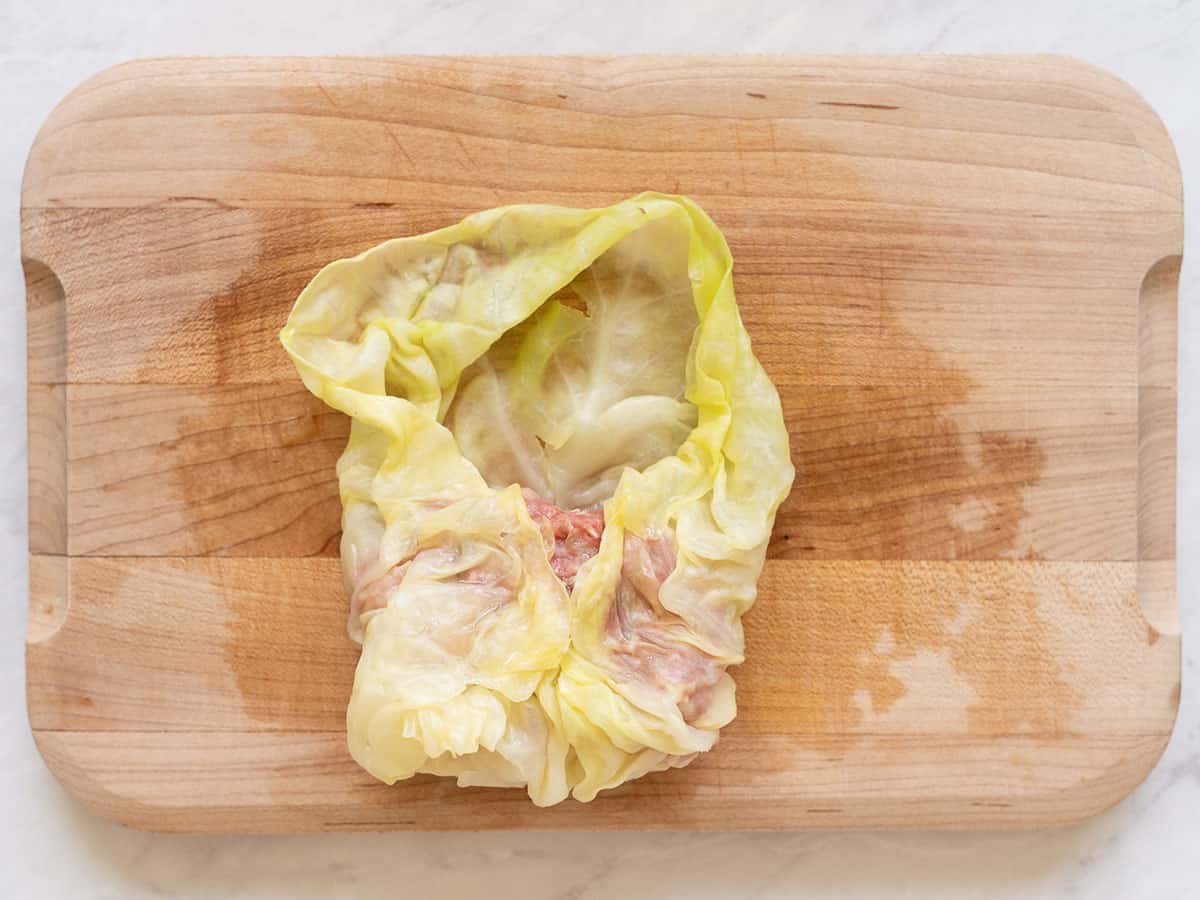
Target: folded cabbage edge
477,662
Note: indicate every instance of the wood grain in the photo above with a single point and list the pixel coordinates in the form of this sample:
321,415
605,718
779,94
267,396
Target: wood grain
1053,661
832,295
247,470
295,781
244,470
962,274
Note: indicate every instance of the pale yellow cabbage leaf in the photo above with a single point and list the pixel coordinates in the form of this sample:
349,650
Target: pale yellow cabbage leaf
591,357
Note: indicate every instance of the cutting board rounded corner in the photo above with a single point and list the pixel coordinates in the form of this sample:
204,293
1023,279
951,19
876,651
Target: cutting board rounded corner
1127,102
73,107
1092,798
86,785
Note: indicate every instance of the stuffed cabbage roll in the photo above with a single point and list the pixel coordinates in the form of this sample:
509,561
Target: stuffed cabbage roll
563,468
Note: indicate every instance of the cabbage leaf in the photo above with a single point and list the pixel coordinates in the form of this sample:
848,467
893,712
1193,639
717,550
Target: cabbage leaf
507,377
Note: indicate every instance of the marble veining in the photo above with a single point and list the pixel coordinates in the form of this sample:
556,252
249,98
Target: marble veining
1145,847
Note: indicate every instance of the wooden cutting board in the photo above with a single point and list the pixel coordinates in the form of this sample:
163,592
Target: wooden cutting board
960,272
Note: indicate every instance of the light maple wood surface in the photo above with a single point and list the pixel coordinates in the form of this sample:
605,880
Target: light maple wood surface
961,272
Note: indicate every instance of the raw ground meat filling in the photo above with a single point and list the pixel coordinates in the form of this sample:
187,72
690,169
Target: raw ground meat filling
572,536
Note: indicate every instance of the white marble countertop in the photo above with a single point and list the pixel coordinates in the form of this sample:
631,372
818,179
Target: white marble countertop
50,847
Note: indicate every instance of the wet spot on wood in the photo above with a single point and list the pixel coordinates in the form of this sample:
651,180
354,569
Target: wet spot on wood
888,472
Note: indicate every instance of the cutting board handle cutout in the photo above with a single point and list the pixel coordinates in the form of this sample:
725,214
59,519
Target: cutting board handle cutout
1158,304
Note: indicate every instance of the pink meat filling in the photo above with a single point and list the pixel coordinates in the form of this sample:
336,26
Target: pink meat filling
572,536
647,640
